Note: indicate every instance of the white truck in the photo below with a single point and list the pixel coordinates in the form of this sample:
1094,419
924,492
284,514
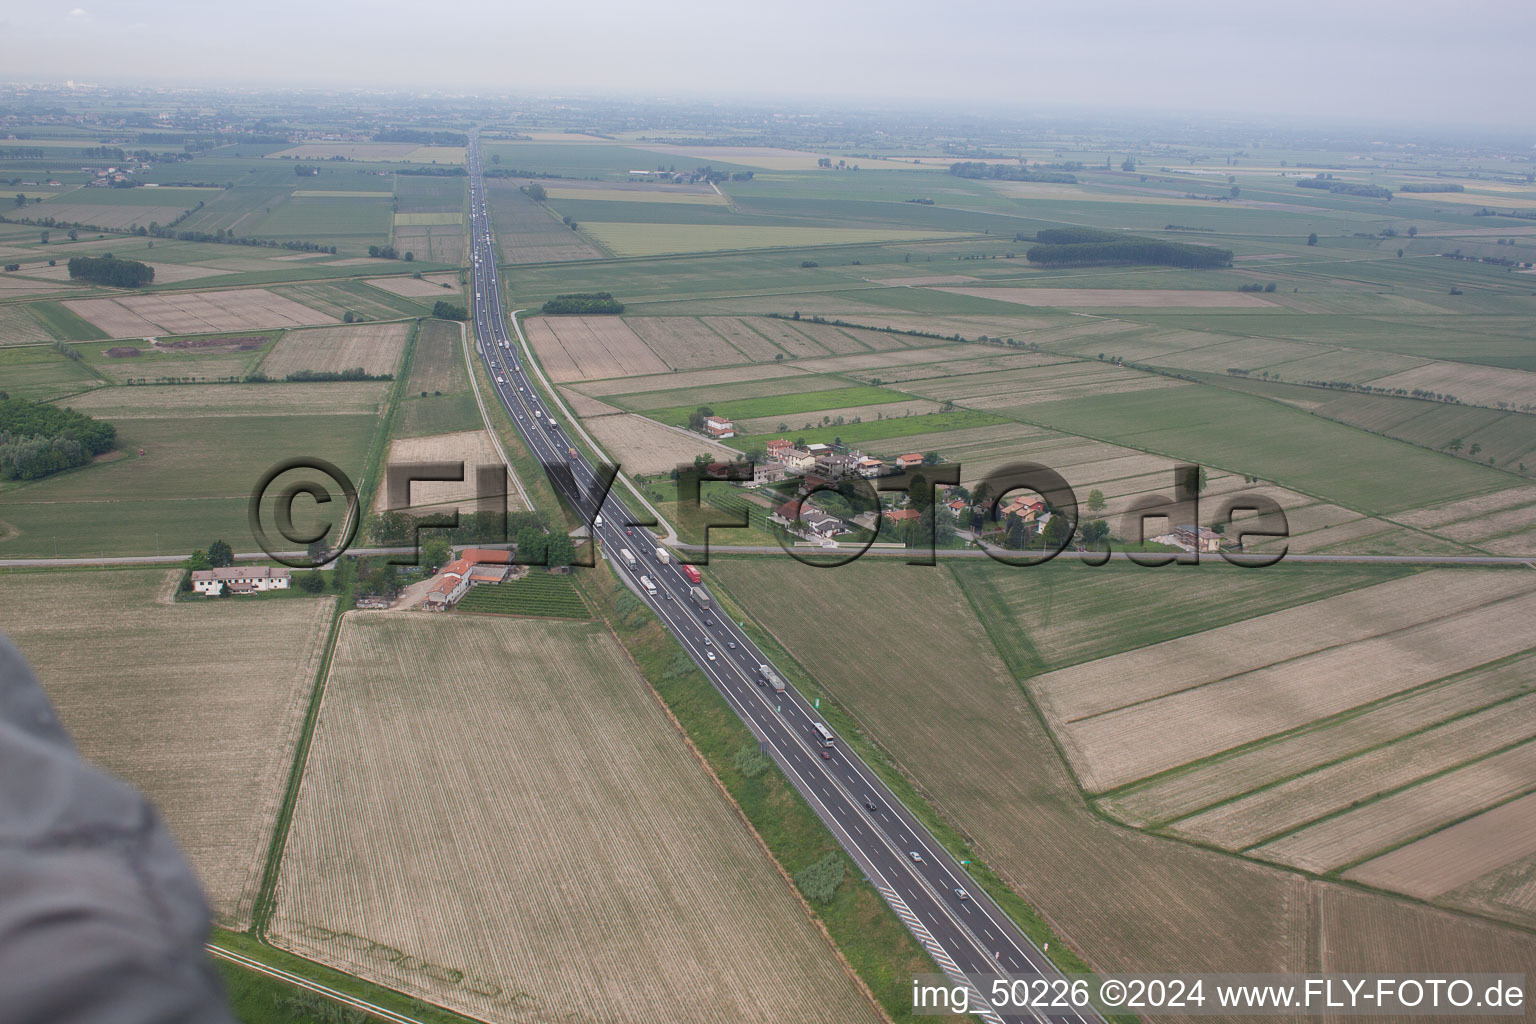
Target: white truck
598,522
552,422
768,677
662,556
627,555
649,585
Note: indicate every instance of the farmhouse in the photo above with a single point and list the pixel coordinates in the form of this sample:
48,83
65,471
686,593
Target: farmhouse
473,566
1201,539
908,461
246,580
777,448
719,428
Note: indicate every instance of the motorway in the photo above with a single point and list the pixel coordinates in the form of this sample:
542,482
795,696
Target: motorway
964,931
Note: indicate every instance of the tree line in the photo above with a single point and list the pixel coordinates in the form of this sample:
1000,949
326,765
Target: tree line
422,137
1009,172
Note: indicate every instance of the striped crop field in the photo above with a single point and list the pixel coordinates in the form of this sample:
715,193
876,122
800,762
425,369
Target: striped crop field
561,852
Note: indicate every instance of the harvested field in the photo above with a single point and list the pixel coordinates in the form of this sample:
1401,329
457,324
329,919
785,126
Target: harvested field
1467,508
626,238
1117,298
504,921
154,402
427,286
583,406
644,446
1491,525
376,348
744,336
527,232
1290,804
1264,764
1356,834
1361,529
437,361
648,194
1475,385
688,379
796,384
1250,680
112,216
888,410
1455,856
201,709
441,243
471,447
346,150
683,342
590,348
910,282
246,309
795,344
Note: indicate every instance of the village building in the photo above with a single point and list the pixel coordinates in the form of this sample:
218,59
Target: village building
1201,539
908,461
719,428
870,467
247,580
777,448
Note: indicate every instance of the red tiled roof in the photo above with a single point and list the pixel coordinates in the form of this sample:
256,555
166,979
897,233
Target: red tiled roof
488,556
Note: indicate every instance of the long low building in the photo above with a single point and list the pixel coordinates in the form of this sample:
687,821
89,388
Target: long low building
240,580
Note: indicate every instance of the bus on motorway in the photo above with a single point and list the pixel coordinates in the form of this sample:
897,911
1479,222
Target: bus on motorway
825,735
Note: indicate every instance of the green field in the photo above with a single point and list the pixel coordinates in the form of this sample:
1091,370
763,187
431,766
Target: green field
190,486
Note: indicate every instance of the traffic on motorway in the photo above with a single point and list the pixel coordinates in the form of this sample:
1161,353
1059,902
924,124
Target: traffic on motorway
964,930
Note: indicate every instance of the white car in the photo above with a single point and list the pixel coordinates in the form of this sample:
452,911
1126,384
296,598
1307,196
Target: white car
917,858
961,893
710,655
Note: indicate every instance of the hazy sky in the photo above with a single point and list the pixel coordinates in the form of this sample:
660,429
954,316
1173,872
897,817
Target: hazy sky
1404,60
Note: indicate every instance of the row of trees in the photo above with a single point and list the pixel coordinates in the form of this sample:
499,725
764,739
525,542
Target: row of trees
388,252
111,270
1347,188
1009,172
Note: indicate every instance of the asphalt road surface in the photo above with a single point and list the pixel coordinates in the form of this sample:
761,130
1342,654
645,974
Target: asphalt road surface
959,925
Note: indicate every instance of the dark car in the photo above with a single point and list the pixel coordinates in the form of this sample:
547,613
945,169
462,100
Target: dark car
870,805
826,755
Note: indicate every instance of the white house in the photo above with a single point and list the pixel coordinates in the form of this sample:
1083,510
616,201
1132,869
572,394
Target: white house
244,580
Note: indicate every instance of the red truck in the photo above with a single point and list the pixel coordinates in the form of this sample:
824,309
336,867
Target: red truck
693,575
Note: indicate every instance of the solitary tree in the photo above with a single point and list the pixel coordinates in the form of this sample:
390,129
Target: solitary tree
1312,238
1454,445
435,552
1095,501
219,555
